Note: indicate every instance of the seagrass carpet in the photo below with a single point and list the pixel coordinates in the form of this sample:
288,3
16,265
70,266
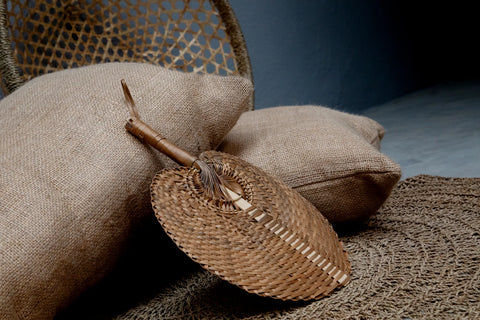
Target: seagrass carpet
418,258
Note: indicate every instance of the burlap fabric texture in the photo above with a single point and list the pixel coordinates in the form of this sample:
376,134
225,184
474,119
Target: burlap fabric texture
330,157
417,259
74,183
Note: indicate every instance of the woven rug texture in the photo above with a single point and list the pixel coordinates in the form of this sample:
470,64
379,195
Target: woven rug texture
418,258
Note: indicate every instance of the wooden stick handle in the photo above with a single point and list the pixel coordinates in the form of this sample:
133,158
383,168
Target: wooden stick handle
146,134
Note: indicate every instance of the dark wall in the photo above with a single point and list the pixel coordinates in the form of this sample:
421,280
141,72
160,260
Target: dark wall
442,38
351,54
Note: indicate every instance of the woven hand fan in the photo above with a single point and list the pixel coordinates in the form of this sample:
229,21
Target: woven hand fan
242,224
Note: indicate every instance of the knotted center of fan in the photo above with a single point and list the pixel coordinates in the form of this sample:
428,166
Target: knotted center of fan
234,181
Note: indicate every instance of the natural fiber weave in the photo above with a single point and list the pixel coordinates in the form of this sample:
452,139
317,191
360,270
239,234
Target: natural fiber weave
331,158
280,246
201,36
74,184
417,259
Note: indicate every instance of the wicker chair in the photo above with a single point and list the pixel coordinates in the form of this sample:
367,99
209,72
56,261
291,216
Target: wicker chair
41,36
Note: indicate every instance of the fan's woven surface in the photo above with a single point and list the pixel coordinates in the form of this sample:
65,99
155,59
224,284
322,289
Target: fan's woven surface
283,248
419,258
49,35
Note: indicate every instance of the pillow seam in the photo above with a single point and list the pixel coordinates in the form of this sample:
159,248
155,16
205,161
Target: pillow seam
345,177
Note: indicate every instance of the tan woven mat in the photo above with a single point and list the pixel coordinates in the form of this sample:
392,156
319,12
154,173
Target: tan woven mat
419,258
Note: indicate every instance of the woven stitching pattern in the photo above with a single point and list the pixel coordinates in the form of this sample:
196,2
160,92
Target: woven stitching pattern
53,34
418,259
74,183
284,248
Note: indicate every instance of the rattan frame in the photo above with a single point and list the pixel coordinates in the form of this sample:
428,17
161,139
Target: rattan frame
11,74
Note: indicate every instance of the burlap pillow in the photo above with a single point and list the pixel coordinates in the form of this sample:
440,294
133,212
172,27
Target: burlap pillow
332,158
73,182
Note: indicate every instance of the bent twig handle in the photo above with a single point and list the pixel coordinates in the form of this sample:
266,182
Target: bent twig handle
145,133
216,186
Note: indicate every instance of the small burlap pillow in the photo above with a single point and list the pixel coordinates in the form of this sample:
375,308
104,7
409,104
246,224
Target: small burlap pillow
74,183
331,158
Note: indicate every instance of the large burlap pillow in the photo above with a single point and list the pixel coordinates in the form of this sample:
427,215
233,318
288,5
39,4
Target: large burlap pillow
330,157
73,182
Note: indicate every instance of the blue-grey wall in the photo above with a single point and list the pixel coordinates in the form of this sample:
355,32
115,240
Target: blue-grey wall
352,54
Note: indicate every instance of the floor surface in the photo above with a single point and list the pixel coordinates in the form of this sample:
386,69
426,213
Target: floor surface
435,131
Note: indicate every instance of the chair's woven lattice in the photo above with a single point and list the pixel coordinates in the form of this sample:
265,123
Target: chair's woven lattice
280,247
194,36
